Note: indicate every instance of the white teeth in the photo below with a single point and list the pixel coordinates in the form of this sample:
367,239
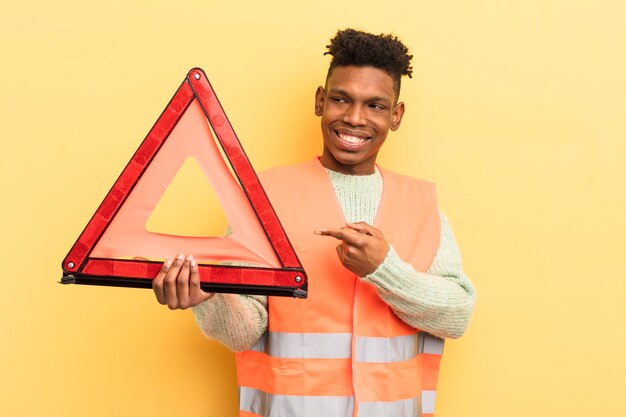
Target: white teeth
351,139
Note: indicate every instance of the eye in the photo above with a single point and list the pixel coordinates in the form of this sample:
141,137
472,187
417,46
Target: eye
377,106
338,100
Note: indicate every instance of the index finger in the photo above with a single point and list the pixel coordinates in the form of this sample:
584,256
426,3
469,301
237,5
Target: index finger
157,282
344,234
336,233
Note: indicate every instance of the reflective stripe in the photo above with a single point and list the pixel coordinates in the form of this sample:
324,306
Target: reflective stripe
428,402
430,344
339,346
401,408
268,405
386,349
396,349
412,407
306,345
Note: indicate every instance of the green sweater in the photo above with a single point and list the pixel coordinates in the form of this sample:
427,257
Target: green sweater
439,301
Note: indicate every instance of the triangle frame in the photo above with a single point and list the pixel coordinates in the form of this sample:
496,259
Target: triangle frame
81,267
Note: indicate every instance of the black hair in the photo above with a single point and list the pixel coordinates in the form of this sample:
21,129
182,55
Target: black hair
385,52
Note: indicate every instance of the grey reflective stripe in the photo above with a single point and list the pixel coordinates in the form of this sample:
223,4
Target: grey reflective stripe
413,407
268,405
430,344
386,349
402,408
306,345
339,346
428,402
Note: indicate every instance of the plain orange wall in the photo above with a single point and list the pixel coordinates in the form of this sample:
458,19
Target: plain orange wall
516,109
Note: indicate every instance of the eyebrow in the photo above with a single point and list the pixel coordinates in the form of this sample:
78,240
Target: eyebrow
336,90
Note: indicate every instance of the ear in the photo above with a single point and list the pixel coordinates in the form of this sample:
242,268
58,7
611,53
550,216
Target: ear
320,98
396,116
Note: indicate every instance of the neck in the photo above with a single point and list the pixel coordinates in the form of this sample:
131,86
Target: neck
367,167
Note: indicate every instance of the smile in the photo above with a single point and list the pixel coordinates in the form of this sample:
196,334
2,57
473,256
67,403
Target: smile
352,140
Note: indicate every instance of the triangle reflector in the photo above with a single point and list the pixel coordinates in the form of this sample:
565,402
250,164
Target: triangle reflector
116,249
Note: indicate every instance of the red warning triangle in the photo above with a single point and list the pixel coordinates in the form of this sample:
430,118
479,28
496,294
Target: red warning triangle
114,246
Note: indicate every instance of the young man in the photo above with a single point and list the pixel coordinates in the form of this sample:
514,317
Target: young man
385,276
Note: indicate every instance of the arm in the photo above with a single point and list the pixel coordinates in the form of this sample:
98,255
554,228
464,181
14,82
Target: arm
237,321
439,301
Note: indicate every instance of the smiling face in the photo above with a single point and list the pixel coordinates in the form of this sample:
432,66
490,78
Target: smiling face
358,107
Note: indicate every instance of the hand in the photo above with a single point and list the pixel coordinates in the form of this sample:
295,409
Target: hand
363,247
178,284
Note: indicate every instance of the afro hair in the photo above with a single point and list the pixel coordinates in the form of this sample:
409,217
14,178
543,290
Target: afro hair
385,52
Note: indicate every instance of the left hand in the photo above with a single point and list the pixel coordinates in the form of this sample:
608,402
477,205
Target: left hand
362,249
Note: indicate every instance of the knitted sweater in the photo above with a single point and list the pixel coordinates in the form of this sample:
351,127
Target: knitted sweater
439,301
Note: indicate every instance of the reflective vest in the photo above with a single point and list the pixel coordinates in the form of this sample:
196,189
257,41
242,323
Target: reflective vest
342,352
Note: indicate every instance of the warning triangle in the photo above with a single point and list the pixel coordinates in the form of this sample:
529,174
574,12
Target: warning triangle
116,249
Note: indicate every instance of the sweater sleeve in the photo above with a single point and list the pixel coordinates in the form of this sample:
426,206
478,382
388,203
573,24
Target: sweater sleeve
237,321
439,301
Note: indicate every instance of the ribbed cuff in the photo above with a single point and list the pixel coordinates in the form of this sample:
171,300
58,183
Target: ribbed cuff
205,308
391,273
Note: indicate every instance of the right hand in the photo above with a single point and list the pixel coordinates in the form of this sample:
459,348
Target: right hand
178,284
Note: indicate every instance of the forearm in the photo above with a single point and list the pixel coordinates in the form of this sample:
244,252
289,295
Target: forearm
439,301
237,321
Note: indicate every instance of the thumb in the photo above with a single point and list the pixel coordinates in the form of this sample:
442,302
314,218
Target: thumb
340,251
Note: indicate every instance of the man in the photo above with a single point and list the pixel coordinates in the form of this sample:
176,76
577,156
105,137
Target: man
385,275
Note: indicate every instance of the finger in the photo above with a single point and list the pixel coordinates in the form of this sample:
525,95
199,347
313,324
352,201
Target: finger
195,290
336,233
157,282
194,280
349,236
363,228
340,252
170,282
182,284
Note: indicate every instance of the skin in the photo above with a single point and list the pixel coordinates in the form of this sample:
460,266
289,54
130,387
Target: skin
177,284
360,102
357,102
362,249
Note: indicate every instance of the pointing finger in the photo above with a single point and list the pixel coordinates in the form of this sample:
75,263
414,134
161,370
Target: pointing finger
336,233
344,234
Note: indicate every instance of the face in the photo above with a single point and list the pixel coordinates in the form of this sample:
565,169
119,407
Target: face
358,108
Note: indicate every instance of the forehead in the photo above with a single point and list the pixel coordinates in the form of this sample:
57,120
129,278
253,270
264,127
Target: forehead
361,81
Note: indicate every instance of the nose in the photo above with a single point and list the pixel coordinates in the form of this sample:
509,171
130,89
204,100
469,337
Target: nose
354,116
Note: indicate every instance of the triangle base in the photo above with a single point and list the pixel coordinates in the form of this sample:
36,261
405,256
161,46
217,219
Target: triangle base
206,286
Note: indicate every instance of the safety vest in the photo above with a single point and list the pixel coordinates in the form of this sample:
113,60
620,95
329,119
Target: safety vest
342,352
